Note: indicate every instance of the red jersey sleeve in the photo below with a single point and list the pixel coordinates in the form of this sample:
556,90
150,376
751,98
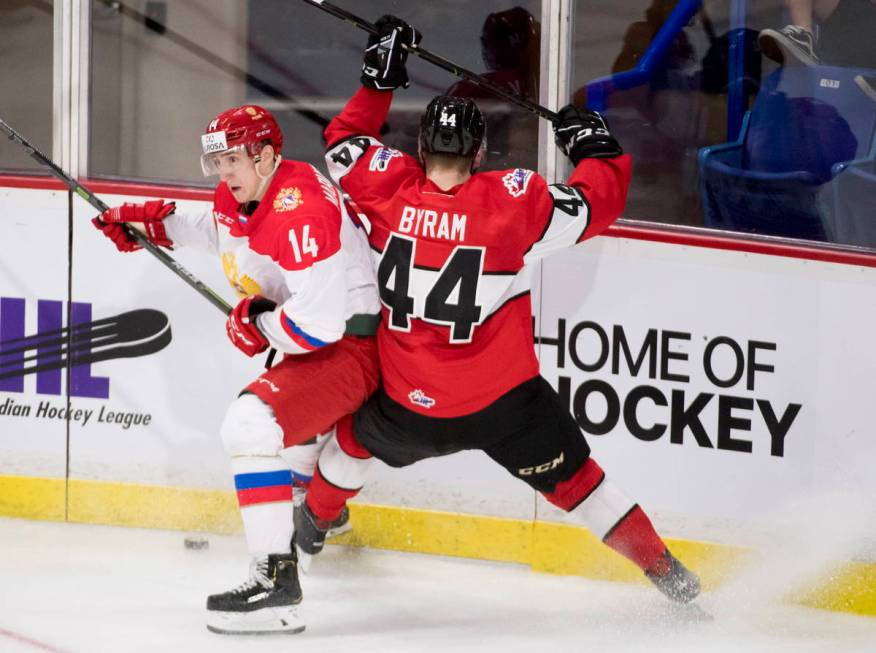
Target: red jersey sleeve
356,160
363,115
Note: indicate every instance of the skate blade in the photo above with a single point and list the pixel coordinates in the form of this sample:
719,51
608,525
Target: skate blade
304,560
690,613
267,621
338,530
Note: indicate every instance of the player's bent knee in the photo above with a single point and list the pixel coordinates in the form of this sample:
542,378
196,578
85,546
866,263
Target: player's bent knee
249,428
574,491
302,457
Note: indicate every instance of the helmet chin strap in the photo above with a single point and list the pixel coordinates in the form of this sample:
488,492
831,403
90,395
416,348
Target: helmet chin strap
265,179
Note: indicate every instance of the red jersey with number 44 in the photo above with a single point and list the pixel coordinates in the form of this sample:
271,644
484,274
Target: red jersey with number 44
452,265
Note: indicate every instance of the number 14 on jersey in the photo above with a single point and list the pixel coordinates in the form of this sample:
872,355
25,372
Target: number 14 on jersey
306,245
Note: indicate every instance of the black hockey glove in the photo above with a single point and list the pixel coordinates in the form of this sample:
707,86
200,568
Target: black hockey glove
383,68
582,133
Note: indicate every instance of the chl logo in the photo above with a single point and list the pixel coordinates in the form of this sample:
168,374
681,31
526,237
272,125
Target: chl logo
381,159
419,397
541,469
54,347
517,181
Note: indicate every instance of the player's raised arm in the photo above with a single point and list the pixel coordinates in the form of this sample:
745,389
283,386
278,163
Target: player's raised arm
602,171
352,137
596,192
383,70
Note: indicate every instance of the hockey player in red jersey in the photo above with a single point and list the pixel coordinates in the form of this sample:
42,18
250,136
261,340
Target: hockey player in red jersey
451,247
301,267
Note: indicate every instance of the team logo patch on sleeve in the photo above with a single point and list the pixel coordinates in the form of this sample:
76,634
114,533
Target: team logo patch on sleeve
419,397
382,157
517,180
288,199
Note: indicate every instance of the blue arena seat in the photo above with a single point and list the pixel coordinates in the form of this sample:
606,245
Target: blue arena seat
775,179
853,218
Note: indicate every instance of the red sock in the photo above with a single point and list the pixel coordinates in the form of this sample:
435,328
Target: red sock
634,538
325,500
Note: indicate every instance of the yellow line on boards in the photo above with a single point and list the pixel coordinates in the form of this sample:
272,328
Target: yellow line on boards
545,546
32,498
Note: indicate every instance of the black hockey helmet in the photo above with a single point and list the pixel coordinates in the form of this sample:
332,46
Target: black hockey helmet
452,125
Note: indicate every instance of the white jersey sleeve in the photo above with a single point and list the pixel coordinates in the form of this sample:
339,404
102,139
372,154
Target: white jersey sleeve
567,222
196,230
313,315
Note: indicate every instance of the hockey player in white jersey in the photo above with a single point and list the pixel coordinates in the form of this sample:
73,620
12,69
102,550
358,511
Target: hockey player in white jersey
302,269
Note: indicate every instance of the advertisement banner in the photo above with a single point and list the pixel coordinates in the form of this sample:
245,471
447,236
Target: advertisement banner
34,301
159,397
711,384
716,387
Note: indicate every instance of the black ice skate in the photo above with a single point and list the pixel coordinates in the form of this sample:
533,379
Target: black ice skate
675,580
311,531
266,603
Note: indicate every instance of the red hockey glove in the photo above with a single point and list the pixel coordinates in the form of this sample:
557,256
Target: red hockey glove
117,234
241,327
151,214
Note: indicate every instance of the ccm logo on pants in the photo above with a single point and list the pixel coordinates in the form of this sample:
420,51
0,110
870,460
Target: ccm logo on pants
539,469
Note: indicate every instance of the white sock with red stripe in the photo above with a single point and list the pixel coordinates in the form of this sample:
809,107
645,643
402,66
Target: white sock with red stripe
595,502
343,469
264,493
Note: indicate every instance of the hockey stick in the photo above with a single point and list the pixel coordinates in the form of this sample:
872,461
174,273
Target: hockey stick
89,197
449,66
128,335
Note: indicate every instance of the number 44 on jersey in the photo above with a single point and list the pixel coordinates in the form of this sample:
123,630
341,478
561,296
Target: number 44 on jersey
447,296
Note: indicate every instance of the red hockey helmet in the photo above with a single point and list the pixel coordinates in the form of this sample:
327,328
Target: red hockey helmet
247,128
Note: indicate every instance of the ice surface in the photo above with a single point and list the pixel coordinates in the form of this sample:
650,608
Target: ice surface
70,588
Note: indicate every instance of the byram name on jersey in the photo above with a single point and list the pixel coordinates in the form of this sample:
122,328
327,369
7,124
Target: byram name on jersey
431,224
